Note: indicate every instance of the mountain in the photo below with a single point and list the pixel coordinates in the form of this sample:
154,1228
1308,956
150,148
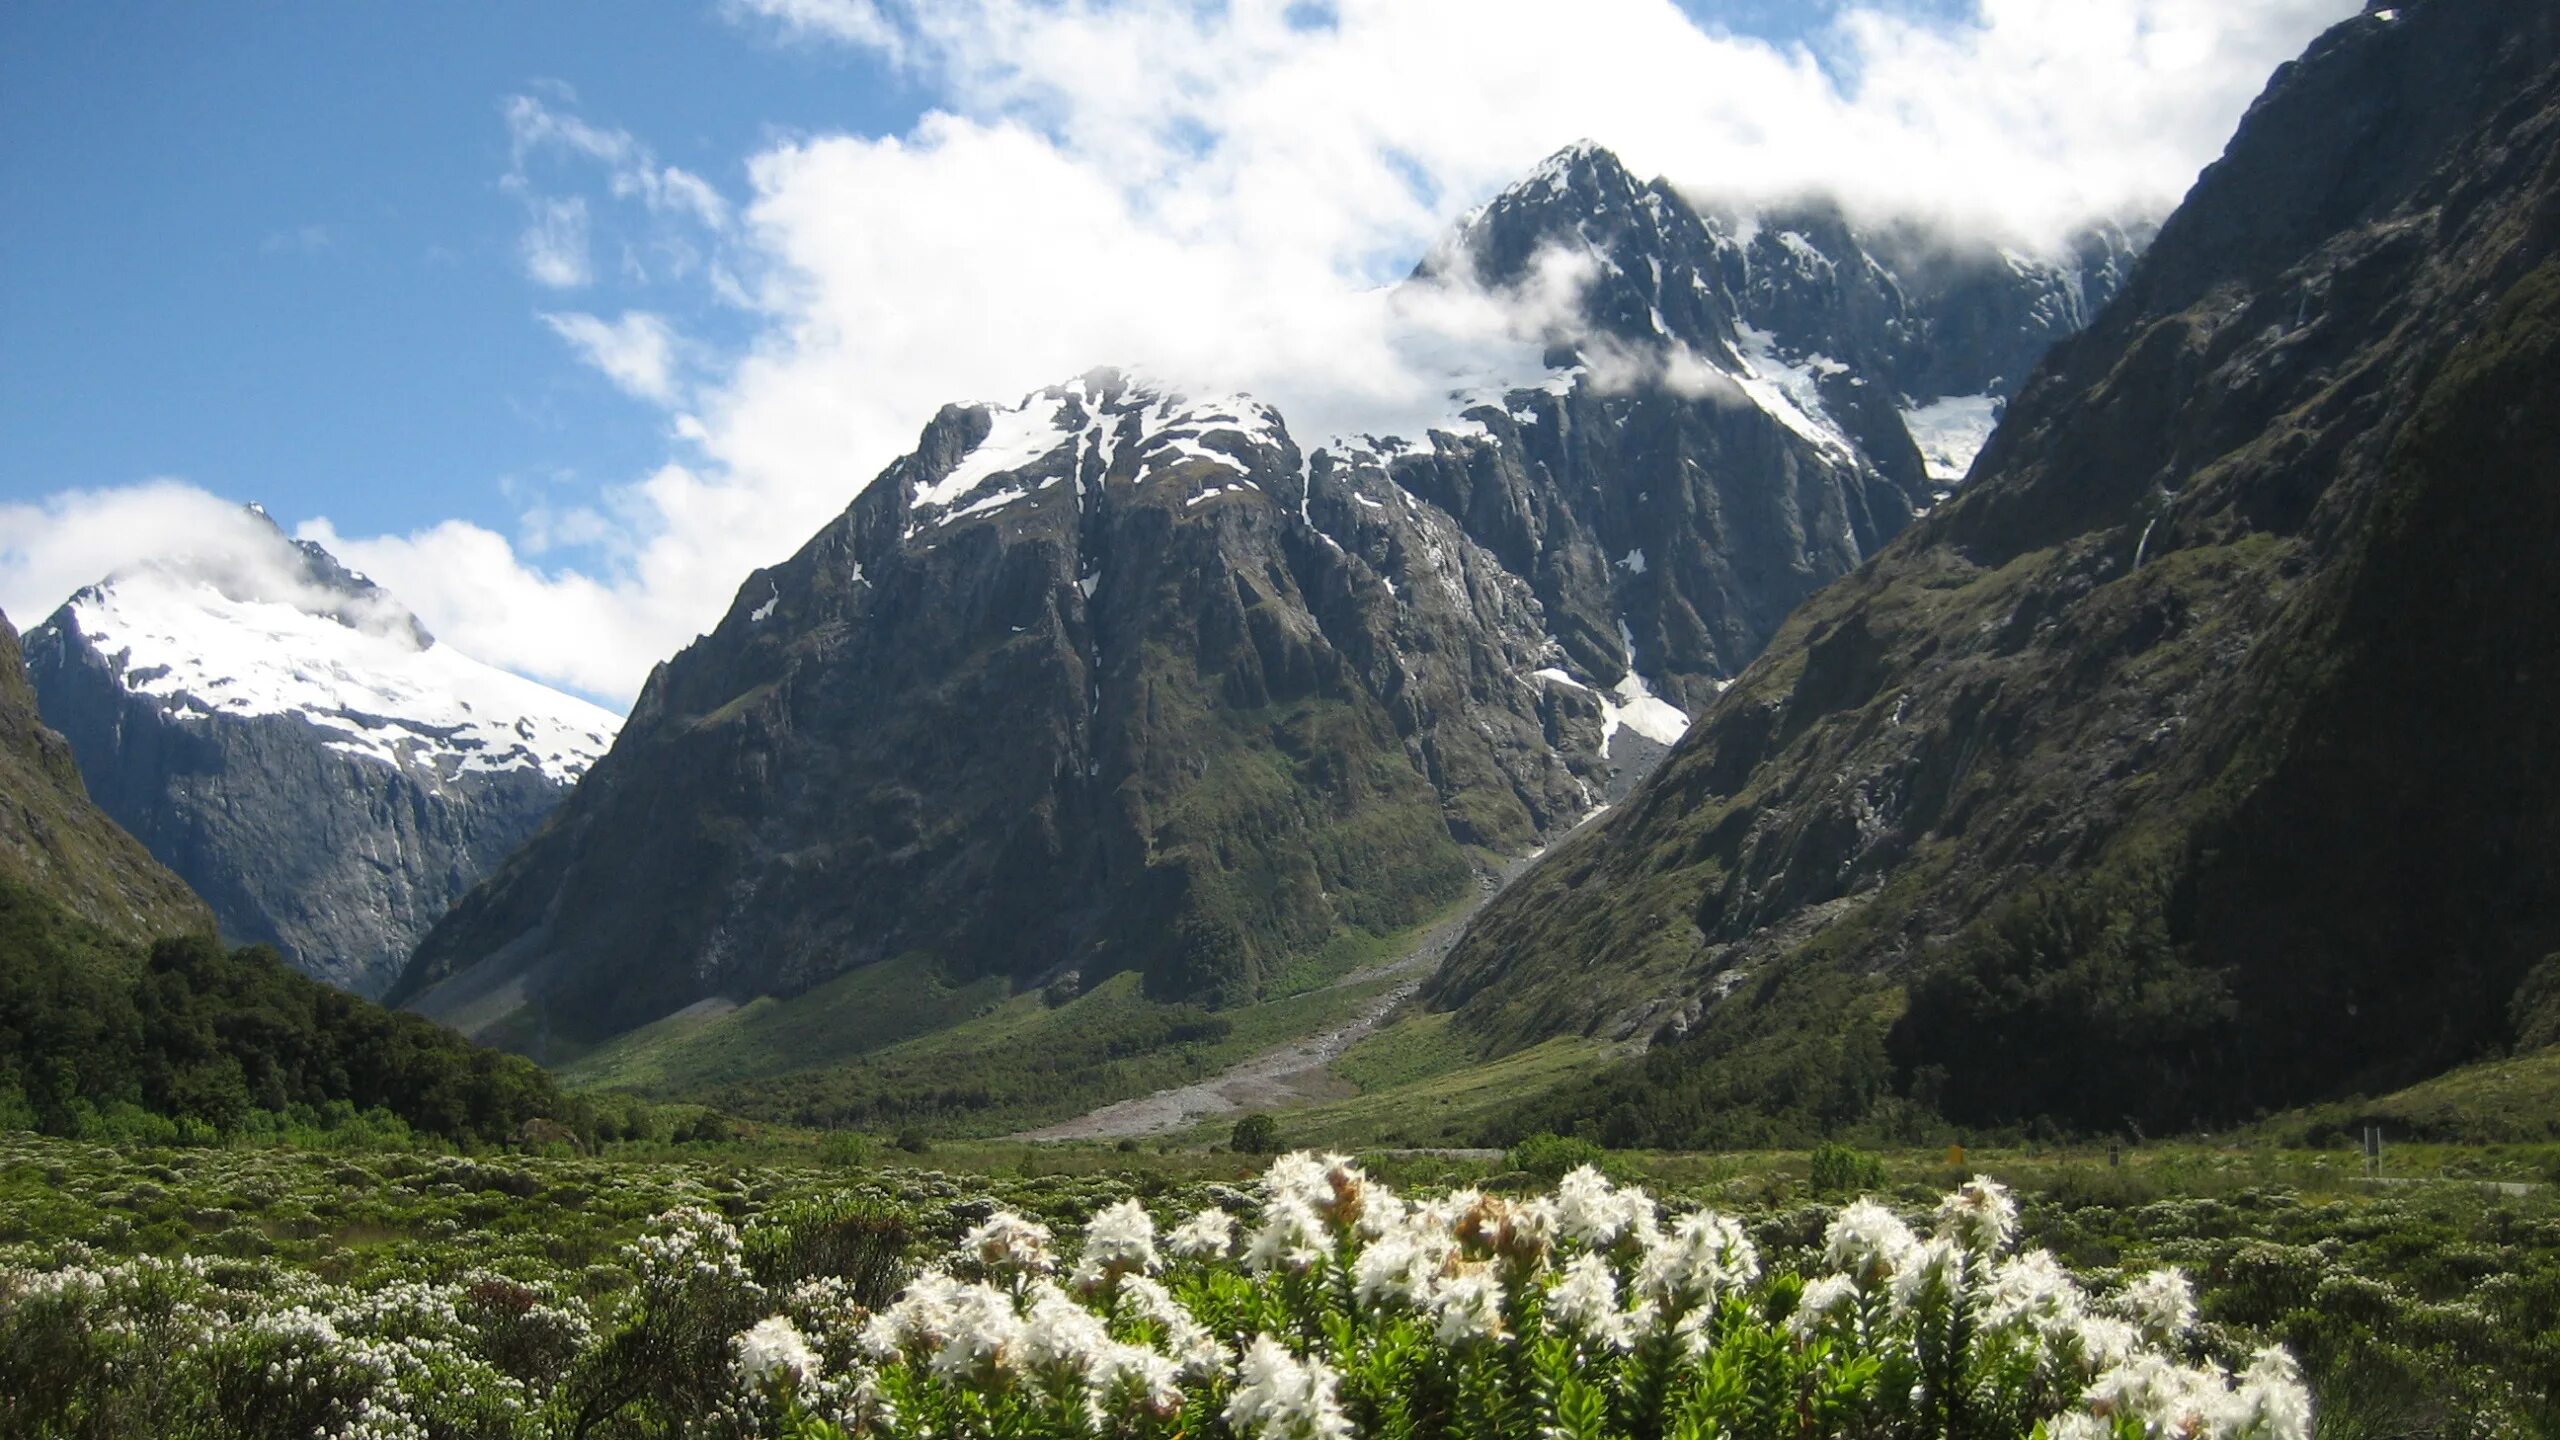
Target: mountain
57,849
1115,679
285,736
123,1018
2196,758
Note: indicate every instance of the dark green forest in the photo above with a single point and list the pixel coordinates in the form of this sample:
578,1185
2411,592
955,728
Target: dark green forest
203,1040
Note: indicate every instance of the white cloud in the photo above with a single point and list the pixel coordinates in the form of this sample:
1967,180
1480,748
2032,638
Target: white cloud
51,547
554,244
854,22
535,129
637,352
1220,194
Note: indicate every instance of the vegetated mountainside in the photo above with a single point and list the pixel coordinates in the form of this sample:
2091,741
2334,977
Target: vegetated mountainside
2198,758
288,738
57,849
1116,680
121,1014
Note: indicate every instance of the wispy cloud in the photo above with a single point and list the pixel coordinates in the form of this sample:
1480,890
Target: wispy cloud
637,352
554,243
535,129
849,22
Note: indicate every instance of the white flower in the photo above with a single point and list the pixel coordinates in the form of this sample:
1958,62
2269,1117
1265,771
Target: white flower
2272,1403
1330,1185
1704,1255
2106,1342
1299,1175
2170,1397
1120,1240
1585,1302
1589,1211
1400,1267
771,1349
1444,1212
1059,1335
985,1335
1293,1237
1867,1242
1932,1275
1280,1397
1195,1349
1822,1298
1383,1213
1009,1244
918,1322
1138,1375
1979,1214
2032,1289
689,1245
1208,1235
2079,1425
2163,1303
1468,1307
2268,1403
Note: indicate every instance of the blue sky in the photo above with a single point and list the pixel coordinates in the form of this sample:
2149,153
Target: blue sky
266,246
286,252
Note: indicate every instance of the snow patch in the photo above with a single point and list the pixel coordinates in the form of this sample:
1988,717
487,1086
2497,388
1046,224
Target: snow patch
1637,708
1951,432
1788,391
1024,434
376,692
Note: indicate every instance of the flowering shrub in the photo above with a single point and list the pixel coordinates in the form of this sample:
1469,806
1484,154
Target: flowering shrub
1340,1309
626,1298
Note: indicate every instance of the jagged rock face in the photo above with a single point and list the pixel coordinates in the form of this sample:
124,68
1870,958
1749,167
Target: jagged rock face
1900,339
58,847
281,733
2195,758
1117,680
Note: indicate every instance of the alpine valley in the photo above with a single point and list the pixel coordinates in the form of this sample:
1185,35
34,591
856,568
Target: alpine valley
1132,703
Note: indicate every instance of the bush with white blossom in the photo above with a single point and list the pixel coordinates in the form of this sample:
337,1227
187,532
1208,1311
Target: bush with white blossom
1318,1305
1337,1308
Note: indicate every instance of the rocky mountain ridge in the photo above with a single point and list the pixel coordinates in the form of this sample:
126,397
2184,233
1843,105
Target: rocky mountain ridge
1116,679
288,738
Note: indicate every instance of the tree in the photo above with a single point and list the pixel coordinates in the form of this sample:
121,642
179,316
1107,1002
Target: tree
1255,1134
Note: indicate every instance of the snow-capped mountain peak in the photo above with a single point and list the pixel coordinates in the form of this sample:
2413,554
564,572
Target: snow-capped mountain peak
285,735
290,631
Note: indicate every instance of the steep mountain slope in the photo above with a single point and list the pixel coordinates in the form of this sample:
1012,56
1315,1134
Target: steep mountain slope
57,849
285,736
2197,758
1113,680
